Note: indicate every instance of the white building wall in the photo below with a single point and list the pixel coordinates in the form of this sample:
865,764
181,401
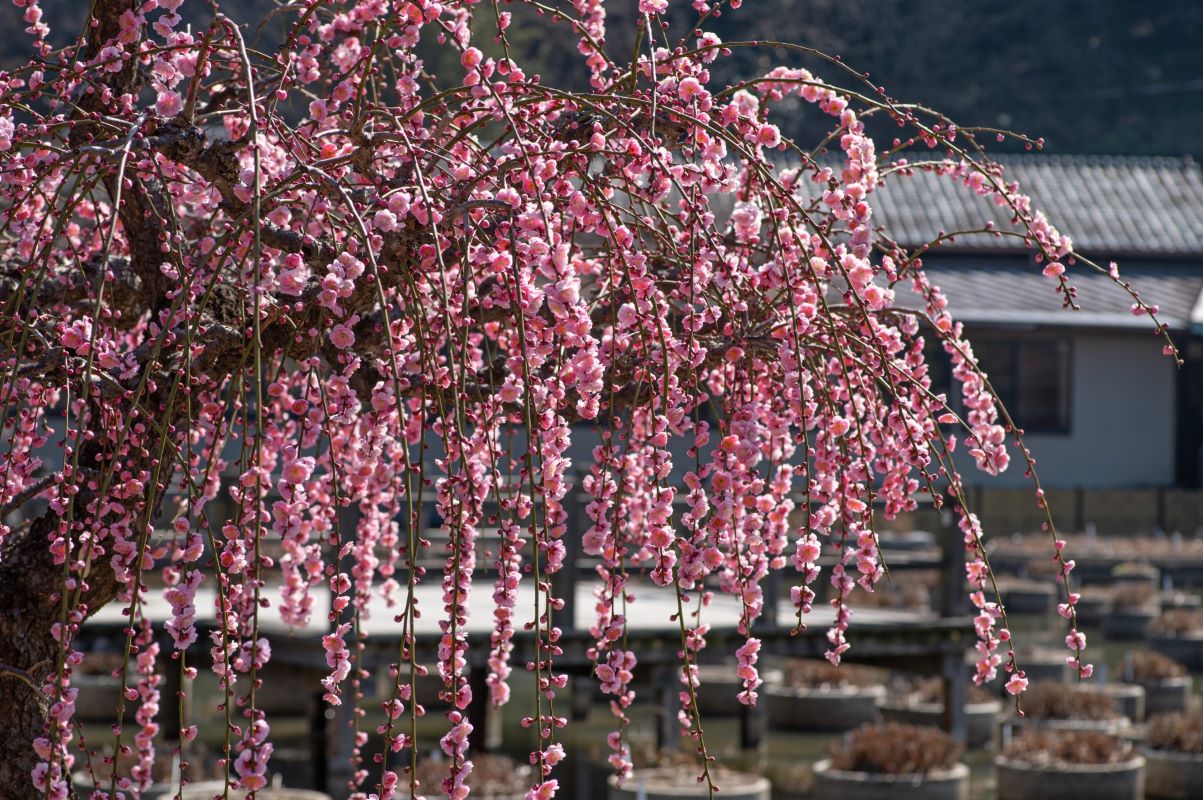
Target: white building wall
1123,400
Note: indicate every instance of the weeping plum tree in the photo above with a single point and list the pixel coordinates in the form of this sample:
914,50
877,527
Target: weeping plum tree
323,277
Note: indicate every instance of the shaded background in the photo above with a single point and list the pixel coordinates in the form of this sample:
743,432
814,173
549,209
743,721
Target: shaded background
1090,76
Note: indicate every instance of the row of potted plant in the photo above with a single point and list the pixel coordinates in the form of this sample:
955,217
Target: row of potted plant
900,762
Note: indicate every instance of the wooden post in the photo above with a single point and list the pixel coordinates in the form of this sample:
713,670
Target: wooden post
953,604
486,729
771,586
956,691
176,696
952,567
751,725
581,688
319,741
341,746
564,582
667,689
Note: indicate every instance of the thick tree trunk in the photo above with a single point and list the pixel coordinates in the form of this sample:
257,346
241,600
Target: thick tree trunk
29,583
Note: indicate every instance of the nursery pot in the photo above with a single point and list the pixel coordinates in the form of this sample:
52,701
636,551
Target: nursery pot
1019,780
1128,624
1029,598
721,685
1173,600
1186,649
1039,667
162,790
1130,574
834,708
836,784
1173,775
1114,727
981,719
1129,699
1168,694
675,783
206,790
1092,608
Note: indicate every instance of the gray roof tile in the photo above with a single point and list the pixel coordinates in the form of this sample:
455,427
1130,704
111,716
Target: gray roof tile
1111,206
1011,290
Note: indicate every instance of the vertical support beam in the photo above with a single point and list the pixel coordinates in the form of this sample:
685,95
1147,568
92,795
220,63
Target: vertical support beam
486,718
956,691
581,686
952,570
176,705
341,747
771,587
169,715
577,522
752,726
953,604
668,702
319,742
339,722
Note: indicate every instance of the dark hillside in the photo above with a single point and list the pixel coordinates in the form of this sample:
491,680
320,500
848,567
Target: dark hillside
1090,76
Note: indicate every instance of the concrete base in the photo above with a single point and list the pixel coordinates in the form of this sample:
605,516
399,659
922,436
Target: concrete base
981,718
1128,625
833,784
1020,781
1171,694
825,709
1186,650
666,784
1178,776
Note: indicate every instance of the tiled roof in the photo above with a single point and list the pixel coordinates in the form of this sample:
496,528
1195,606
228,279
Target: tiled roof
1010,290
1110,206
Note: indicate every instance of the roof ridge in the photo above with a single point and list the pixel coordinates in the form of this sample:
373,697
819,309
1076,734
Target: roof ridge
1096,159
1185,162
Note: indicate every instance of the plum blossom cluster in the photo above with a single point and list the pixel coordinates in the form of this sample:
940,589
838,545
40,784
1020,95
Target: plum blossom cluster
342,329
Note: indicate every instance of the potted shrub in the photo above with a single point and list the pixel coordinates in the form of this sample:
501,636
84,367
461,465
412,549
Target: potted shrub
1128,699
209,790
1027,596
674,776
1134,606
1175,755
1179,634
922,703
1054,765
816,695
494,777
892,761
1171,600
95,772
1039,664
1166,682
1068,707
719,693
1094,605
1132,572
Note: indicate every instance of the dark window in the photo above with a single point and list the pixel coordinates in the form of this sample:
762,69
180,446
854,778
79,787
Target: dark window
1031,377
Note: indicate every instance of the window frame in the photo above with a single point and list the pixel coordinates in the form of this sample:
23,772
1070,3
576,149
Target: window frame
1015,342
